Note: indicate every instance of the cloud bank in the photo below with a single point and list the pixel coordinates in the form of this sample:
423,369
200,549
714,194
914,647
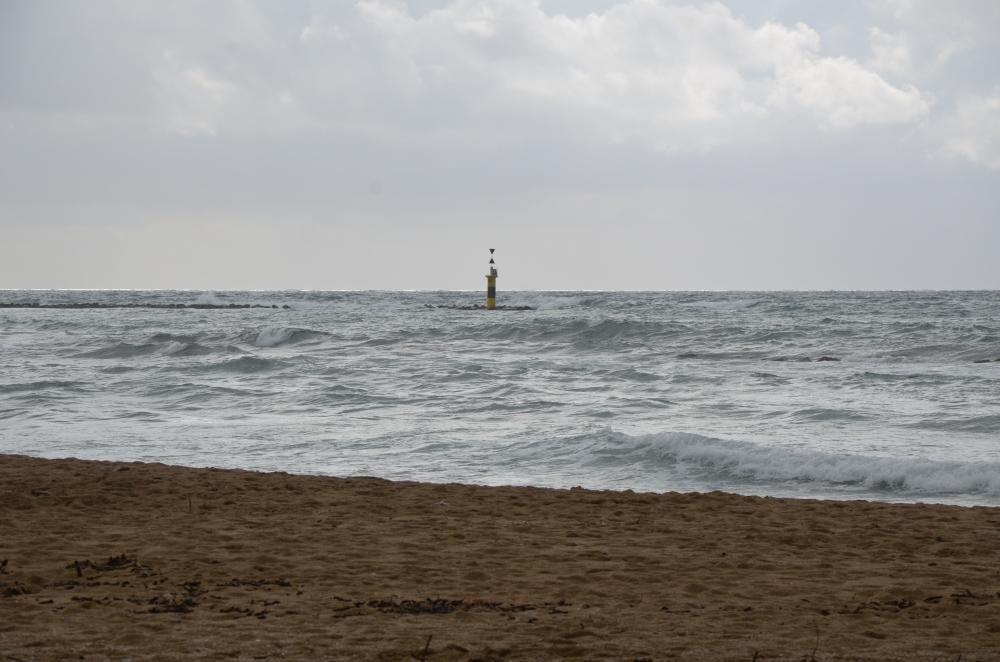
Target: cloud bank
678,76
858,128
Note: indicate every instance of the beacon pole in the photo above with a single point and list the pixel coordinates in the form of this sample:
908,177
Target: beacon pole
491,284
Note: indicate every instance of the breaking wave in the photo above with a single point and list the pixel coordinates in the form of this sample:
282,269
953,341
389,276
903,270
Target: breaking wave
274,336
710,459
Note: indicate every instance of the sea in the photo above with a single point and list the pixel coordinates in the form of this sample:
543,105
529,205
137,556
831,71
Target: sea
888,396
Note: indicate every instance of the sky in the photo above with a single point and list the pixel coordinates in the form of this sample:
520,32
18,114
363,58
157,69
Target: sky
596,144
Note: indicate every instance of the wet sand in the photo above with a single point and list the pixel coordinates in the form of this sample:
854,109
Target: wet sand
102,560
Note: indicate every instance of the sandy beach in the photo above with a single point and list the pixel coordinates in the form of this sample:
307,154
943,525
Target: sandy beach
110,560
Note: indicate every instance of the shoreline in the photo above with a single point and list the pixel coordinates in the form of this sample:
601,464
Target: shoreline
965,501
149,561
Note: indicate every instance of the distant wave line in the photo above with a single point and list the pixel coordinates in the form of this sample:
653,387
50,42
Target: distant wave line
96,305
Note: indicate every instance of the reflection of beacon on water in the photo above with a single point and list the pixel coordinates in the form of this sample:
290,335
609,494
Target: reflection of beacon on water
491,284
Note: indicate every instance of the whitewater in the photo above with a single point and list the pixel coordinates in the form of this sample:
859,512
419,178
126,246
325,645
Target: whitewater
891,396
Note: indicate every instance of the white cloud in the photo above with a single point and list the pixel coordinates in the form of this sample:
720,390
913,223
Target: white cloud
843,94
891,54
675,76
193,101
937,33
973,131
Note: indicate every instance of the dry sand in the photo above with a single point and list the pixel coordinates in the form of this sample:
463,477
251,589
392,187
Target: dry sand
144,561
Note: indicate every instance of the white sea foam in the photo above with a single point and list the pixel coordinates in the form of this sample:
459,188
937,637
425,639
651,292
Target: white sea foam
709,458
174,346
208,298
273,336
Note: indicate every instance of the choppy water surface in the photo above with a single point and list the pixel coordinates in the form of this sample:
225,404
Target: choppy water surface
648,391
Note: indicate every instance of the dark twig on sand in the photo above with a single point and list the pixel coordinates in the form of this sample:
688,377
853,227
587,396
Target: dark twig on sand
427,647
812,656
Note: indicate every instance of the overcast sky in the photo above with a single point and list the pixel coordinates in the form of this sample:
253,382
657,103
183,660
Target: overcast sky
596,144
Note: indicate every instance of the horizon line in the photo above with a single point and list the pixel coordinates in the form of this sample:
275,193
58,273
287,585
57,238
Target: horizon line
532,290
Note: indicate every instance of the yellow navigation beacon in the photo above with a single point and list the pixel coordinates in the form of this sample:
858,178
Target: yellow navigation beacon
491,284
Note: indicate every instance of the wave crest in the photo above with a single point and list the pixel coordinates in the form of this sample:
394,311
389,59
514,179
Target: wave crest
710,459
275,336
43,385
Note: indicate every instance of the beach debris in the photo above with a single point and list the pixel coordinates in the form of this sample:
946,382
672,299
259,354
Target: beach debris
106,600
170,603
964,598
245,611
427,606
427,647
113,563
257,583
249,611
178,602
116,562
969,598
193,588
812,655
11,590
3,567
442,606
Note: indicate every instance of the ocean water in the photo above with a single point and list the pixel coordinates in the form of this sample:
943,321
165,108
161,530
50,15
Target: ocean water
674,391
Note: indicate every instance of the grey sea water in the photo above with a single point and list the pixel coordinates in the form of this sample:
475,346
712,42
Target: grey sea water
888,396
